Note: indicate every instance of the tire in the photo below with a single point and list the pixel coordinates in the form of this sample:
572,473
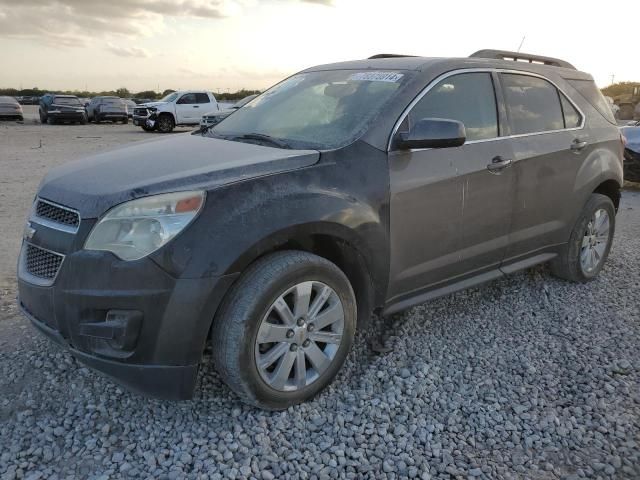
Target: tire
165,123
83,121
125,121
96,119
147,129
251,304
583,257
50,121
43,117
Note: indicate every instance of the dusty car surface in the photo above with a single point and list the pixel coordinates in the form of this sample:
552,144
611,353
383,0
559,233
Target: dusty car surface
345,190
10,109
631,134
61,109
107,108
211,118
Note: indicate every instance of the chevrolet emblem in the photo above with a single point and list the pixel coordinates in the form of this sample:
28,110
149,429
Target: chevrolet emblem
28,232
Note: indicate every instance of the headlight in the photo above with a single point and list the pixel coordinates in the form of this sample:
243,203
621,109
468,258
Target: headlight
138,228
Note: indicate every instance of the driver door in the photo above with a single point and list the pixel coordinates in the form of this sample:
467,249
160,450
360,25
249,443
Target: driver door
450,209
187,109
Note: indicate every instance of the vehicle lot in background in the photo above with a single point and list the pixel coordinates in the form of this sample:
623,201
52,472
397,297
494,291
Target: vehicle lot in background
527,377
61,109
10,109
631,133
212,118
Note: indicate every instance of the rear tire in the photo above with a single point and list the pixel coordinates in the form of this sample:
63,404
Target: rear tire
165,123
583,257
267,336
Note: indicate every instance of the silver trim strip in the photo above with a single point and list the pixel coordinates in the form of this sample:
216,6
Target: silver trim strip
438,79
29,277
50,223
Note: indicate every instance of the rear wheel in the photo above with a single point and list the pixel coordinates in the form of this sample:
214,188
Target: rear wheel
285,329
588,248
43,117
165,123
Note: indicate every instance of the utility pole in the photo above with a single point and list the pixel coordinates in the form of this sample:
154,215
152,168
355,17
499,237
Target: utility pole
613,77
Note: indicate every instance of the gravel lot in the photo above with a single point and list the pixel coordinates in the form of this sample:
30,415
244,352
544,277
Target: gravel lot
526,377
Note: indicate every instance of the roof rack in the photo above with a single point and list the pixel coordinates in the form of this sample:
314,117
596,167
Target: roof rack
388,55
519,57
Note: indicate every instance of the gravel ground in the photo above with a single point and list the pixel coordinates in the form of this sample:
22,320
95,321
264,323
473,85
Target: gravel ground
526,377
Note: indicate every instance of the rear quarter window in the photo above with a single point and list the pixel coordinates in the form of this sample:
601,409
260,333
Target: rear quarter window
588,89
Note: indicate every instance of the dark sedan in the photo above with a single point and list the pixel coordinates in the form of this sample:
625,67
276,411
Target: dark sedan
10,109
631,134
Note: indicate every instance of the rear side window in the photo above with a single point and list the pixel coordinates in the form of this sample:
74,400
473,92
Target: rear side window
572,118
533,104
466,97
202,98
588,89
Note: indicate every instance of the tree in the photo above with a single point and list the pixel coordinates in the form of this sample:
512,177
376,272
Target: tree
167,92
123,93
146,94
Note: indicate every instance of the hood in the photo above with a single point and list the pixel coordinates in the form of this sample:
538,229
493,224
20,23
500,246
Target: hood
180,162
152,104
220,113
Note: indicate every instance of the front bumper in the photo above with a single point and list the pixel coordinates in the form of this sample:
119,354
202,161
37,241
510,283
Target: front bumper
160,355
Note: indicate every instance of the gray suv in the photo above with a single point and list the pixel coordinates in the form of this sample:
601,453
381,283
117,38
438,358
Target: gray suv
345,190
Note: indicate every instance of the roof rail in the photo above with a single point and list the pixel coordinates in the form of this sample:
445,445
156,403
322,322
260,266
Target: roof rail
526,57
388,55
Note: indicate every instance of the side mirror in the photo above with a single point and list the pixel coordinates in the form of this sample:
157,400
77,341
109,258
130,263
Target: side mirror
433,133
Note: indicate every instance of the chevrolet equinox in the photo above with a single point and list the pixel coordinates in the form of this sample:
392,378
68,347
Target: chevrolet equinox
345,190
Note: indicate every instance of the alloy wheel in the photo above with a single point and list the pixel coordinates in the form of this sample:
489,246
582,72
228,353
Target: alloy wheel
595,241
299,336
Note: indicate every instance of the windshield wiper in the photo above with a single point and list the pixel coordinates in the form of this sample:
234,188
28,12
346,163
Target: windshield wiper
261,137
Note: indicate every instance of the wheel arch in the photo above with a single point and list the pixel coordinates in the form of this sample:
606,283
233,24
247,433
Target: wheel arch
333,242
612,189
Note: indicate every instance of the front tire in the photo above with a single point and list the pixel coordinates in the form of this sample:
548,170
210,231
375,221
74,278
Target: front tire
285,329
165,123
588,248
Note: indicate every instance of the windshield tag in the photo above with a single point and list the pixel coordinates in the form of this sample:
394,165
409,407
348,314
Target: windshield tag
377,76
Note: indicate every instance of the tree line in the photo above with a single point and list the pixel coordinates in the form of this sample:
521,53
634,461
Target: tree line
120,92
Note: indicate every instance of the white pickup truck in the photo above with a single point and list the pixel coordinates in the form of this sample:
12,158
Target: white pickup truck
185,107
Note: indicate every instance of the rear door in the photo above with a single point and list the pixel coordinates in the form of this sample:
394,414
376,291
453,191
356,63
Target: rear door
550,144
450,214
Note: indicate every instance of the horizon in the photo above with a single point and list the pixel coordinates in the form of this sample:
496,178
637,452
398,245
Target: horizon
229,45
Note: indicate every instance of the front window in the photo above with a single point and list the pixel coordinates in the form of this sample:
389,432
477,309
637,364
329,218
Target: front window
318,110
66,101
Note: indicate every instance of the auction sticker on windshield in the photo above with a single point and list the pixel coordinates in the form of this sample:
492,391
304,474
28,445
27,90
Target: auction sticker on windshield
377,76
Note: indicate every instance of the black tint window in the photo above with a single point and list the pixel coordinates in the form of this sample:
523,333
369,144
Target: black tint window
202,98
188,98
572,117
468,98
533,104
590,92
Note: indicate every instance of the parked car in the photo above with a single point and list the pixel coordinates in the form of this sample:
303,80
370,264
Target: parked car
107,108
631,134
211,118
346,189
131,105
10,109
29,100
61,108
177,108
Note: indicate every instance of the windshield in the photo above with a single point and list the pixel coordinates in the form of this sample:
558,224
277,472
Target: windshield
244,101
318,110
66,101
170,98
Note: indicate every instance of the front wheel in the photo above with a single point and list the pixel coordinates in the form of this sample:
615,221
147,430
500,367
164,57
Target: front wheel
165,123
285,329
588,248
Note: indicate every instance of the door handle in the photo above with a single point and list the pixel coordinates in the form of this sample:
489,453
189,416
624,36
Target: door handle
498,164
196,106
577,145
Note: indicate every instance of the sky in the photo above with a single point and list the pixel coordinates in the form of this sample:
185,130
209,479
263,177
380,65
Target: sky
226,45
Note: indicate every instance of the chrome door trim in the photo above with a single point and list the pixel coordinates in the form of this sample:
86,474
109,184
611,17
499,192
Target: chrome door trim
438,79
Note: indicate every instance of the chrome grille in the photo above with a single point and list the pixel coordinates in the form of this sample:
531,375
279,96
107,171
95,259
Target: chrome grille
57,214
142,112
41,263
